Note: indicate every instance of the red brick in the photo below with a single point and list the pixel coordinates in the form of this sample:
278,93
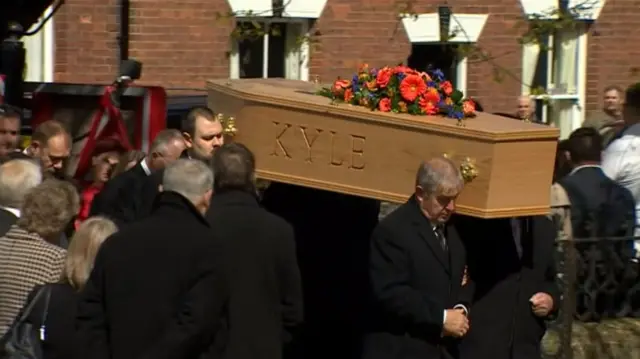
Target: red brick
182,44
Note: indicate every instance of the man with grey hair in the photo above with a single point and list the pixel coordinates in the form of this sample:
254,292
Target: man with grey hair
192,179
130,195
17,178
417,272
163,278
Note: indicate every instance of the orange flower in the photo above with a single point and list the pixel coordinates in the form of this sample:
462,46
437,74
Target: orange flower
363,68
432,95
384,75
401,69
384,105
411,87
402,106
372,85
448,101
339,86
425,76
446,87
427,106
468,108
348,95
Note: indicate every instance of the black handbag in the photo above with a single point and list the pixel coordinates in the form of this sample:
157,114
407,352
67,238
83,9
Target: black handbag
23,340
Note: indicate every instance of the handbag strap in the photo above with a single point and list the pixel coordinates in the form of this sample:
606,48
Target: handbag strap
34,301
45,312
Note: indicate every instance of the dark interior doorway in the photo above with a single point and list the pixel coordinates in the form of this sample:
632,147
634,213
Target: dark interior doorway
427,57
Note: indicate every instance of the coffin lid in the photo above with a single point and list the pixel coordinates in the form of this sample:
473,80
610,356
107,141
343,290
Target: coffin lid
301,95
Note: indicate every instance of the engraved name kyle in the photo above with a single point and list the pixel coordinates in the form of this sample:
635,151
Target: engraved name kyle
344,150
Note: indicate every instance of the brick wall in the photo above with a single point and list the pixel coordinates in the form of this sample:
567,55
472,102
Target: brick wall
182,44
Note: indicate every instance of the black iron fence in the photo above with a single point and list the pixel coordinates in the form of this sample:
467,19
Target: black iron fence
600,311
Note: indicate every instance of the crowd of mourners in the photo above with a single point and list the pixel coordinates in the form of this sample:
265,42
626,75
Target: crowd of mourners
174,253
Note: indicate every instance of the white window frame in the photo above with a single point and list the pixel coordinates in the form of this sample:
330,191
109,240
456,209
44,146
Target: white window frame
39,47
465,28
296,57
578,97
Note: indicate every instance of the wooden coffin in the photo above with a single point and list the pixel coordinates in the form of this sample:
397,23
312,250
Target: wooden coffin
304,139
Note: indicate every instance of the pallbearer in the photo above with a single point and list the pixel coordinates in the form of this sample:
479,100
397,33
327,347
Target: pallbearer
417,266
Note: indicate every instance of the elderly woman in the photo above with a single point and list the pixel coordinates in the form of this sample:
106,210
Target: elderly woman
28,255
59,322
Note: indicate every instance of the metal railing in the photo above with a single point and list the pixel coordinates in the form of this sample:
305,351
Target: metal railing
600,311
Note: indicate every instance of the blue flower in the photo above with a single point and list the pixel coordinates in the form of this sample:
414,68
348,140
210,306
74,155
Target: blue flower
453,113
439,76
374,72
431,84
354,83
401,76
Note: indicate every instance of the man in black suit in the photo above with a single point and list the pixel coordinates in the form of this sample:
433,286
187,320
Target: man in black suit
511,263
17,178
129,197
203,133
260,253
599,206
158,288
417,266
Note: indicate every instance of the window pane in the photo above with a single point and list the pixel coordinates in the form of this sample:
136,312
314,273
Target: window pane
250,49
565,61
560,114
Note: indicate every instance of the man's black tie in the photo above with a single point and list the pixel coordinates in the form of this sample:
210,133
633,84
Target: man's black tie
443,241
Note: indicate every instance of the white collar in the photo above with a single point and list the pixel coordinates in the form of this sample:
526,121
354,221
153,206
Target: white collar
583,166
145,166
14,211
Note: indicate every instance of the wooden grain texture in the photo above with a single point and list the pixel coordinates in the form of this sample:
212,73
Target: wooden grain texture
303,139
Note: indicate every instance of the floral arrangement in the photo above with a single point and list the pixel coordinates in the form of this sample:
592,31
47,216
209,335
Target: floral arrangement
401,89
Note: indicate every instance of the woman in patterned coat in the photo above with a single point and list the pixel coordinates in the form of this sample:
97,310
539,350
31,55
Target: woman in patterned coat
28,256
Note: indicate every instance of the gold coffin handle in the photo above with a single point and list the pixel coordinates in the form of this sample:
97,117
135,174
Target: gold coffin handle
228,125
467,166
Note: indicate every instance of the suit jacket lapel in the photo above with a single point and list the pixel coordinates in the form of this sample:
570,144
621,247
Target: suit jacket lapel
455,248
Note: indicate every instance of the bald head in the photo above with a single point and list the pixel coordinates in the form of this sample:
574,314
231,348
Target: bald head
526,107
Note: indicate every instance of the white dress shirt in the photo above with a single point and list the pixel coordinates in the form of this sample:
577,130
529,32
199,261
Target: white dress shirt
14,211
145,166
621,163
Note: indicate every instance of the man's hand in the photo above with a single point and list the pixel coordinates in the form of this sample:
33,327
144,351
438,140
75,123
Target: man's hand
456,324
541,304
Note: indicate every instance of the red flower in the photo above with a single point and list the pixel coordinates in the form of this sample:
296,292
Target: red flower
384,105
446,87
432,95
427,106
401,69
348,95
384,75
339,86
411,87
468,107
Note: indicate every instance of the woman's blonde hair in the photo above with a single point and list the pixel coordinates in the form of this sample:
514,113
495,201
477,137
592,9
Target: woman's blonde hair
83,249
48,208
